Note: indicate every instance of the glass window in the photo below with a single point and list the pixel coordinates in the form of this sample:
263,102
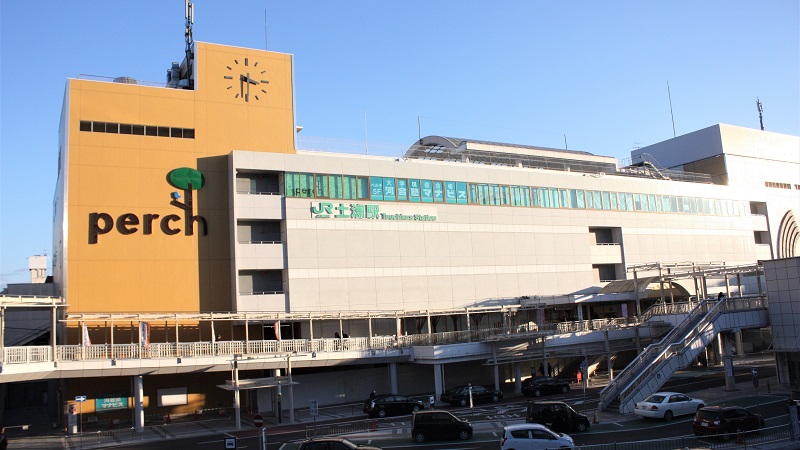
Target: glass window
349,187
555,202
525,196
402,189
613,200
693,205
427,191
580,200
659,203
494,194
589,200
505,197
389,189
337,189
438,192
606,200
450,191
461,193
515,201
544,197
535,197
566,201
651,202
376,188
323,189
621,201
363,188
598,200
629,201
473,193
637,202
299,185
414,190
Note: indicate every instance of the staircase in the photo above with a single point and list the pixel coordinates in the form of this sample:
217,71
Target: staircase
658,362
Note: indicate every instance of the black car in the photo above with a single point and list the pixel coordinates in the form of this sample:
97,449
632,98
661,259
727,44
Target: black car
460,395
557,416
333,443
724,420
432,424
537,386
391,405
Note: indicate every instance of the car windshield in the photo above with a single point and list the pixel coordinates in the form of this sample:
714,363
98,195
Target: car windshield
655,398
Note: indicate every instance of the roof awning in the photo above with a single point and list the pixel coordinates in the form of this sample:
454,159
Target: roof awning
648,287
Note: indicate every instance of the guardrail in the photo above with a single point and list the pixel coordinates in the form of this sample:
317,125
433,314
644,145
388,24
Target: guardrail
781,433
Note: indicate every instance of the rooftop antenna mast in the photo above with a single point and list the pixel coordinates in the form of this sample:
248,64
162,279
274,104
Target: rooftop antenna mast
189,13
670,109
760,111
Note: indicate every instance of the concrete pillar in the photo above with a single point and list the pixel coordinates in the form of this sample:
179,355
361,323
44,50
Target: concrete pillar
496,368
393,377
438,380
730,381
517,378
291,388
138,403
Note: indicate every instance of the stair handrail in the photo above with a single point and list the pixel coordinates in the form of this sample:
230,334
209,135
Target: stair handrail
649,354
673,348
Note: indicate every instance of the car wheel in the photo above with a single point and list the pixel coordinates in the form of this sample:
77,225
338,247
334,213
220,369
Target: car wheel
415,408
668,416
463,402
564,389
495,399
537,393
582,426
419,437
463,435
382,413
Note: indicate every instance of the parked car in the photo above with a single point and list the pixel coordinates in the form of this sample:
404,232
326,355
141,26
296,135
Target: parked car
391,405
533,436
725,419
333,443
537,386
666,405
557,416
434,424
460,395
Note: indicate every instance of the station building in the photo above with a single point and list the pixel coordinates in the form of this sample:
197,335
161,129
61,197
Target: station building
186,217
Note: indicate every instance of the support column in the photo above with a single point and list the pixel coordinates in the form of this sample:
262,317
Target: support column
517,378
138,403
53,327
393,377
237,406
291,388
739,283
438,380
636,294
730,381
246,334
496,376
3,334
469,327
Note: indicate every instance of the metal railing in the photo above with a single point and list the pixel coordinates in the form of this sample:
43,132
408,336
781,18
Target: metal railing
676,342
781,433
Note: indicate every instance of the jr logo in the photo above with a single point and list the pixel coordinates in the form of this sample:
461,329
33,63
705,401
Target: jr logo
184,178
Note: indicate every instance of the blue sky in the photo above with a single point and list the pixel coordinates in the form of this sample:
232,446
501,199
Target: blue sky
525,72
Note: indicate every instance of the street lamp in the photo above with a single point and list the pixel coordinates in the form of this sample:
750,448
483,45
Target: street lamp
236,405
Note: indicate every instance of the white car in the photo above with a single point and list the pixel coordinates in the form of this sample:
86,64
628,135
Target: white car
533,436
666,405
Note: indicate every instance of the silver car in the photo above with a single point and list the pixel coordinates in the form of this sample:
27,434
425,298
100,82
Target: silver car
666,405
533,436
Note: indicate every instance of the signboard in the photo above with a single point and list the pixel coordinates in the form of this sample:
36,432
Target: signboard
230,442
110,404
258,421
313,406
755,377
80,398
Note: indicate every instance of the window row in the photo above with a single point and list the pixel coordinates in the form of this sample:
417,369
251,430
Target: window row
352,187
141,130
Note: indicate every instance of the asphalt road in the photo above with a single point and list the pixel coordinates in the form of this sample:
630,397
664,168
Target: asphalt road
488,432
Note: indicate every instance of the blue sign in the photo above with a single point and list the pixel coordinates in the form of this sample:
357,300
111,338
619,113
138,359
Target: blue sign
80,398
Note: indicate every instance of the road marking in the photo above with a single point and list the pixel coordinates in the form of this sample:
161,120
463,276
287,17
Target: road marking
618,424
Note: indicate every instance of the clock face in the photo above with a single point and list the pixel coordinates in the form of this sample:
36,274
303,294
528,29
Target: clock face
246,80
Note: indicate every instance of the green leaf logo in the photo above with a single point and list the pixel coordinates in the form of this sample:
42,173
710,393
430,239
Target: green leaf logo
181,178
